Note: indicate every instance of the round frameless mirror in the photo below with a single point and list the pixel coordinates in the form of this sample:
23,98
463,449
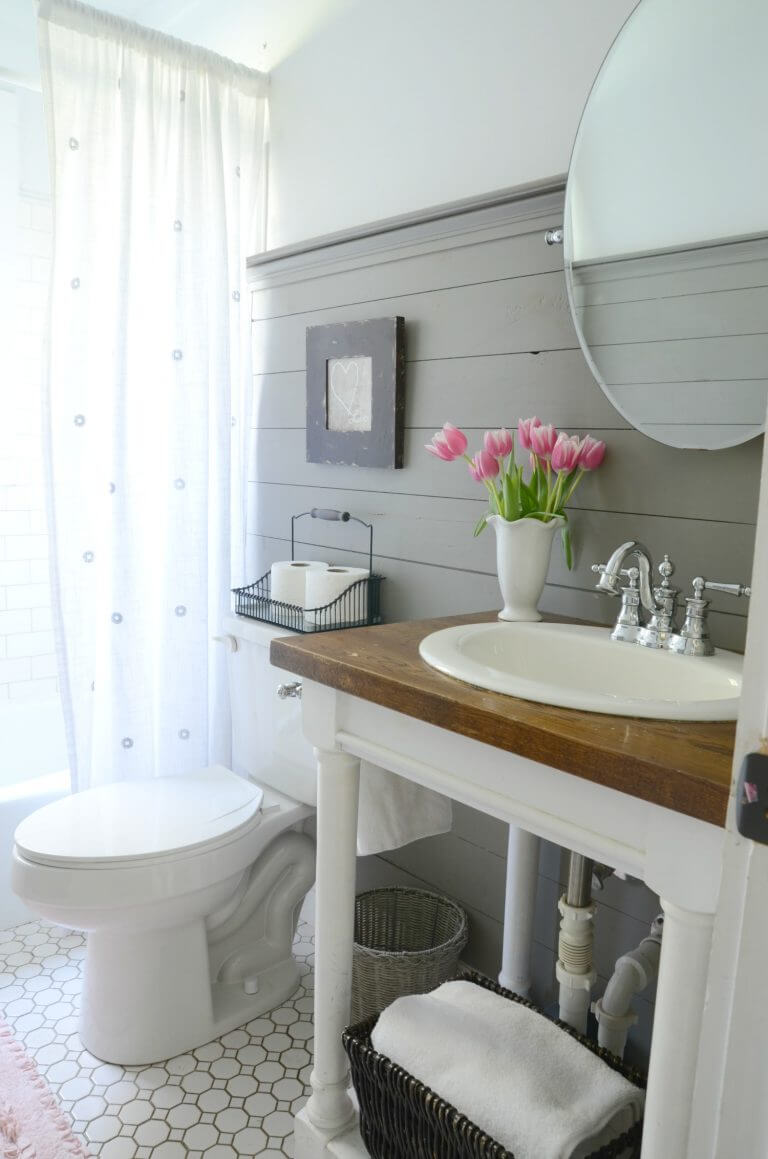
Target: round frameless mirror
666,222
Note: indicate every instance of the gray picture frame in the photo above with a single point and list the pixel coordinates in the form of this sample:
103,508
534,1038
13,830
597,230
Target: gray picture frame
382,340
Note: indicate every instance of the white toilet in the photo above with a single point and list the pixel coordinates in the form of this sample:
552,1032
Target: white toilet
189,887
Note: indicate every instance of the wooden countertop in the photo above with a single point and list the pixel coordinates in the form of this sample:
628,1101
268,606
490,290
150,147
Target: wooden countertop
682,765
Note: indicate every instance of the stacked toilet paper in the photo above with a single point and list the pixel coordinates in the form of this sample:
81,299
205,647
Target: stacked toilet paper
311,584
325,586
289,579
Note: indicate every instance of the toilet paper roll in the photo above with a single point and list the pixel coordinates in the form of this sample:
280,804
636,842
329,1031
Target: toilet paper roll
289,579
325,586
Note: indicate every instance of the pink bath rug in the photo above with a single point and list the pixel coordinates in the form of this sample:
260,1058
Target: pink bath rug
32,1124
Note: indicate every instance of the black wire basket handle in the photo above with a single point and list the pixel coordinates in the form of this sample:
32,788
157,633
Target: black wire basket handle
331,514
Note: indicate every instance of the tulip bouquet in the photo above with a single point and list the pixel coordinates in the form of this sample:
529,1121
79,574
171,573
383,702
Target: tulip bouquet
558,463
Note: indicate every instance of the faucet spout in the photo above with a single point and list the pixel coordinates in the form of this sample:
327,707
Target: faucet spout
610,575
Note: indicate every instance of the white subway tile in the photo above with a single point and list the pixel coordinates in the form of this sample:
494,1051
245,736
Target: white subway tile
34,242
17,472
3,691
16,572
15,669
26,547
27,595
42,217
29,644
30,296
14,522
44,666
21,497
40,270
18,620
33,689
38,522
24,267
41,620
39,571
23,214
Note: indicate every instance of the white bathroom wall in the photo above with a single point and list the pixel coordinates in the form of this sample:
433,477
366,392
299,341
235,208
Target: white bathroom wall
27,661
400,104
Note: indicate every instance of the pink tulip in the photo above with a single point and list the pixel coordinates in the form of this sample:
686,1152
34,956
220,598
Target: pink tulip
483,466
543,440
566,452
592,453
499,443
447,444
524,428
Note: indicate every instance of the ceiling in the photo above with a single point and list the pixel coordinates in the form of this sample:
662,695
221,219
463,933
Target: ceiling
258,33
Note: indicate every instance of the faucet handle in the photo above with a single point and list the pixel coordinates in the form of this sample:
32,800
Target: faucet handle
666,570
700,585
632,574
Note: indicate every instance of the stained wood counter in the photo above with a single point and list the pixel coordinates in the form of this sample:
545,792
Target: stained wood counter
682,765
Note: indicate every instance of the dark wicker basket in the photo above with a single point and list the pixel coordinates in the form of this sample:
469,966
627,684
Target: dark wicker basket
401,1118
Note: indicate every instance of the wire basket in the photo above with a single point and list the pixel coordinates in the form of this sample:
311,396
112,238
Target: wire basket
401,1118
357,606
407,941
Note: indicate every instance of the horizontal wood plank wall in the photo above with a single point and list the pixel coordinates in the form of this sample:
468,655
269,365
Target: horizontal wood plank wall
489,339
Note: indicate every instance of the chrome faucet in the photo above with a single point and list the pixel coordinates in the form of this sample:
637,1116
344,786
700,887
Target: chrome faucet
660,602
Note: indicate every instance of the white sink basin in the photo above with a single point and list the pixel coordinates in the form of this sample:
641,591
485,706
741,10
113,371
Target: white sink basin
576,666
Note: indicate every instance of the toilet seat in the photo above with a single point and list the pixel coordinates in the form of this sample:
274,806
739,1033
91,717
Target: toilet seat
133,823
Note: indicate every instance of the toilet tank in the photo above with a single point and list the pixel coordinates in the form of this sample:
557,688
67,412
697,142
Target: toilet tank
267,739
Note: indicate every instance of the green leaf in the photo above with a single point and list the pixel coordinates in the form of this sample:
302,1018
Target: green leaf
528,499
567,547
511,497
480,525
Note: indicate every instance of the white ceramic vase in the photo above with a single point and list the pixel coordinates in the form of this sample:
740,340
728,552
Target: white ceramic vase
523,548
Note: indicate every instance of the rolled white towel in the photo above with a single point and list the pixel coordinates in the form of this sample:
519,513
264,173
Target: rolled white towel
512,1072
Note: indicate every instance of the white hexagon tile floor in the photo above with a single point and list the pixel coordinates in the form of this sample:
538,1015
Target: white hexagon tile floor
233,1097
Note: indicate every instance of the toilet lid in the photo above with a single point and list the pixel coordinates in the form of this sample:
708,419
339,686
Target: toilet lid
135,820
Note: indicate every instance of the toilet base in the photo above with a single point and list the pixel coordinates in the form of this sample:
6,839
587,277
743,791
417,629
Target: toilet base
150,994
180,1009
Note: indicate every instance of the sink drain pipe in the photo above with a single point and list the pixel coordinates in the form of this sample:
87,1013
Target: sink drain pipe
634,971
574,970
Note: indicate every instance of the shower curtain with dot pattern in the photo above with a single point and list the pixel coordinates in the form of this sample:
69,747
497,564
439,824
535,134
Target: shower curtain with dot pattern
157,153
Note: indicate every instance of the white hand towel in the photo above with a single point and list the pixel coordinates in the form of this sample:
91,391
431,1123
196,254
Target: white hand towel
532,1087
394,811
288,579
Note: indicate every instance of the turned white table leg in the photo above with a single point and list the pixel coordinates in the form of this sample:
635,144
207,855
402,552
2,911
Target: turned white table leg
676,1030
329,1110
519,910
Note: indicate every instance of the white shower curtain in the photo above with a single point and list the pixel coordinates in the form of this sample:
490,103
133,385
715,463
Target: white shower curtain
157,162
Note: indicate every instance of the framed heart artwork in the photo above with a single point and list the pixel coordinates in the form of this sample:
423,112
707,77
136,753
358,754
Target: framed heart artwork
356,392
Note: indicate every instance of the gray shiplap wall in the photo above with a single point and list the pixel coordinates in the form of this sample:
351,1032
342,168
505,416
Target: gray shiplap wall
489,338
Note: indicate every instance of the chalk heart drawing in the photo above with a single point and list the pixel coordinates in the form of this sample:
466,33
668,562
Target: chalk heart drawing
349,393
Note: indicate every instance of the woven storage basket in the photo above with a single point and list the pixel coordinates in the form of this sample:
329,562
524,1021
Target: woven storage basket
401,1118
407,941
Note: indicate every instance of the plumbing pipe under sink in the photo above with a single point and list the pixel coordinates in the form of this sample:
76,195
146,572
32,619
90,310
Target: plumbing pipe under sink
574,969
634,972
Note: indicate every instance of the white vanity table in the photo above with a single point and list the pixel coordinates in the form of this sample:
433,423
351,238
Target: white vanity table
646,797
